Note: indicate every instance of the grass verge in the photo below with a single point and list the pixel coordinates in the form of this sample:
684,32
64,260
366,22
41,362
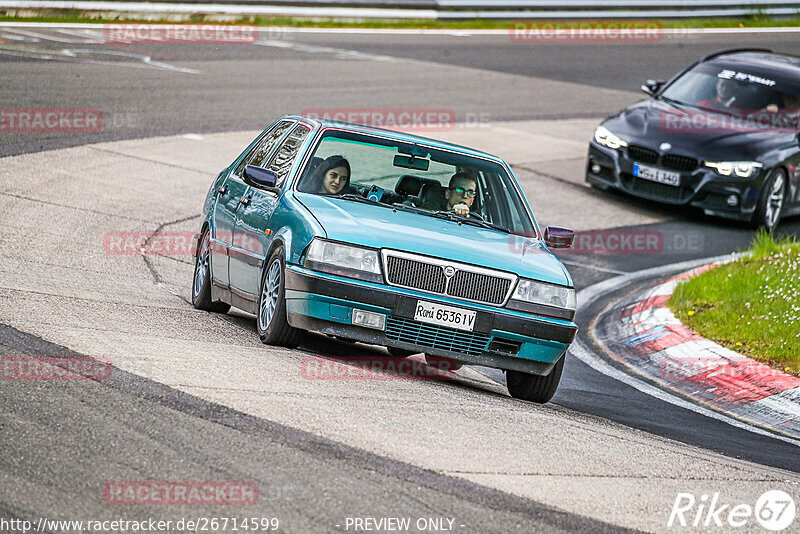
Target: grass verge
751,305
74,16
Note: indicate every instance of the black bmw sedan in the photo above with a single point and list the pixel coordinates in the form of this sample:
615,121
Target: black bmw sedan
721,136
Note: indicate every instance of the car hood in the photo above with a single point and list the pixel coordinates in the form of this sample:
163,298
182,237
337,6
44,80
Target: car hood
692,131
381,227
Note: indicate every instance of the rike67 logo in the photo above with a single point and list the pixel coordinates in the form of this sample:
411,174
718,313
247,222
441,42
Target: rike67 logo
774,510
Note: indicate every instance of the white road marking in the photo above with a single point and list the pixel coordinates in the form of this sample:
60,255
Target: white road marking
336,53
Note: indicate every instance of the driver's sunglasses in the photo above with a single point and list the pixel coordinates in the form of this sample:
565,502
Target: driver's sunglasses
464,192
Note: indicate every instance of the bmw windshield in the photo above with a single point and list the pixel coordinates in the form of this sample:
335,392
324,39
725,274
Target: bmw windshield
737,90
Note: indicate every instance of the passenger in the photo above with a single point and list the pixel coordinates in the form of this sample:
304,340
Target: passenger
331,177
725,97
458,197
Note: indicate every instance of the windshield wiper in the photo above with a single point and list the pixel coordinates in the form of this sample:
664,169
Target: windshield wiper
450,216
357,198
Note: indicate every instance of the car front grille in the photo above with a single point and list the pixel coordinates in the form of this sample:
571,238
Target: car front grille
410,273
479,287
668,161
458,280
640,153
678,163
437,337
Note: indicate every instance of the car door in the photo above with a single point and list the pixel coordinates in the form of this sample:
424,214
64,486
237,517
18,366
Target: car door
229,196
252,219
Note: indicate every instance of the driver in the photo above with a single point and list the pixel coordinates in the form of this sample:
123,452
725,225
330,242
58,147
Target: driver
459,195
725,96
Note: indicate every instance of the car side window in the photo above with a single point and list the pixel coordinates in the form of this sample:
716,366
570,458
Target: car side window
283,159
259,154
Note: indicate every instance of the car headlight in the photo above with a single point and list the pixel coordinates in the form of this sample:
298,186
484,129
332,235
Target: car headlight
545,294
606,137
742,169
343,260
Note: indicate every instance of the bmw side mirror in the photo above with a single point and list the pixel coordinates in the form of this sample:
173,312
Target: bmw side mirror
260,177
651,87
555,237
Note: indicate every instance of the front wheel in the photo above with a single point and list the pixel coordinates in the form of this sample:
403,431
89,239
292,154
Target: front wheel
201,283
535,388
770,205
271,323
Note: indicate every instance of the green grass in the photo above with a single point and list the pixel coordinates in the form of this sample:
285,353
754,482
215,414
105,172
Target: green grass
751,305
68,16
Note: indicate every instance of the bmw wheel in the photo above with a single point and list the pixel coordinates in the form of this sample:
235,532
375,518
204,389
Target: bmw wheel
201,282
770,205
271,323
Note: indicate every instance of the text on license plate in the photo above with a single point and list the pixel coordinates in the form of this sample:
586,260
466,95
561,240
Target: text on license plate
428,312
656,175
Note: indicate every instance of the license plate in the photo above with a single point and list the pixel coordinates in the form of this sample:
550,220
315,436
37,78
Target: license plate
656,175
438,314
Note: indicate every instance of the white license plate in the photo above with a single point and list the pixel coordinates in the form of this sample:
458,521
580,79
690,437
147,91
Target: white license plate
656,175
428,312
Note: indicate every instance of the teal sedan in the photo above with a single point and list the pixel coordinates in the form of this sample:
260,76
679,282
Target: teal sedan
389,239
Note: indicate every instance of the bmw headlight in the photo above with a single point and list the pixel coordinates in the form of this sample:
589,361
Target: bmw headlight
343,260
742,169
606,137
545,294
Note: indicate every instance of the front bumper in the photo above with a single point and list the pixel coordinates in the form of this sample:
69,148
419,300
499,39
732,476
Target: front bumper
700,188
503,339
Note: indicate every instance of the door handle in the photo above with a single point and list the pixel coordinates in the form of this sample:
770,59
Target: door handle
221,190
244,201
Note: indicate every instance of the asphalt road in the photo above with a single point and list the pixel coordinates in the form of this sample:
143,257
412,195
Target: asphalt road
136,427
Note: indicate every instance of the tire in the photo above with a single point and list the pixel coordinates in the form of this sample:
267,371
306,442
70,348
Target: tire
201,281
442,362
534,388
271,323
400,353
770,205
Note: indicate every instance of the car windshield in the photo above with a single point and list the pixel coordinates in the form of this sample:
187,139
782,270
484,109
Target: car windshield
424,180
728,88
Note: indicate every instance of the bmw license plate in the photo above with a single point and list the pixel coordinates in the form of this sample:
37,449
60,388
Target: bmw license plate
438,314
656,175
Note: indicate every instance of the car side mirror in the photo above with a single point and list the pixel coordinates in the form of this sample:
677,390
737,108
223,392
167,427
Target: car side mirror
260,177
651,87
555,237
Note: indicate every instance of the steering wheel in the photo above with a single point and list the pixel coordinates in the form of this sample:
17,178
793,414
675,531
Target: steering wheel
472,215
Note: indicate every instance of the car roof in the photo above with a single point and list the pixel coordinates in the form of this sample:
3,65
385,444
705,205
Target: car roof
360,128
784,65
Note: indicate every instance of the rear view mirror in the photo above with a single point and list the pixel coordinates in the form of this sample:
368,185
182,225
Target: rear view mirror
260,177
410,162
555,237
651,87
